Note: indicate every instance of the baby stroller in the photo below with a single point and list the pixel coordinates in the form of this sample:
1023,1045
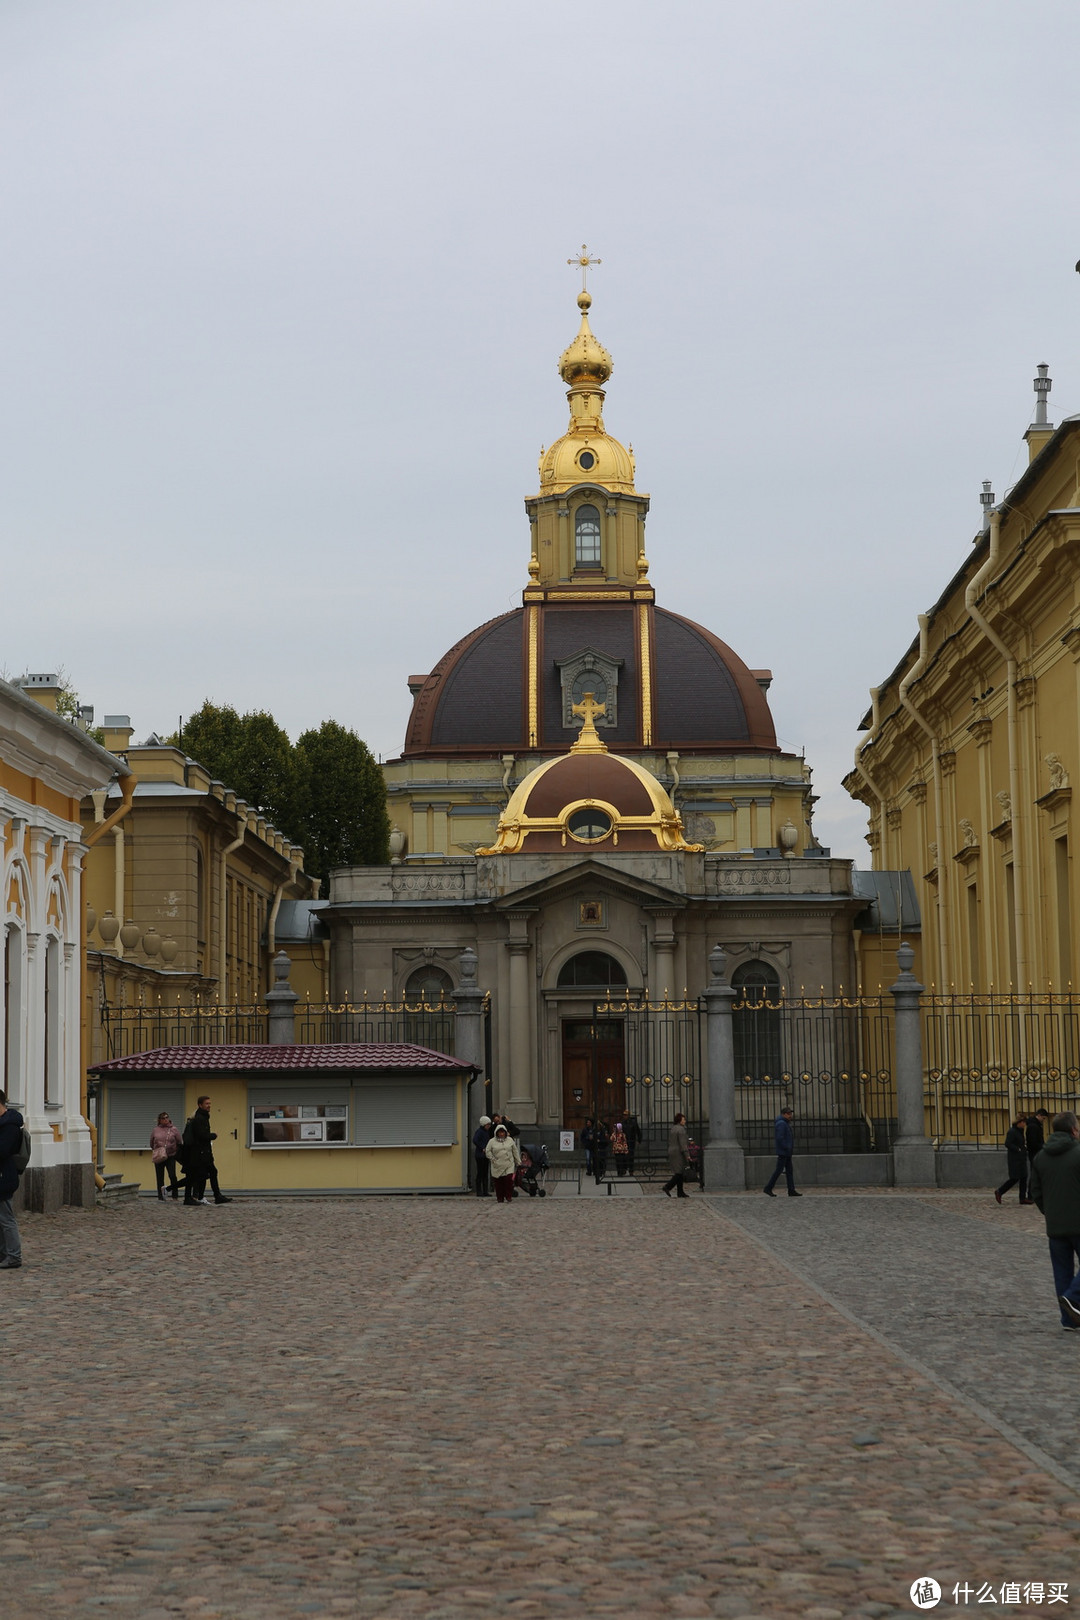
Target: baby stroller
532,1171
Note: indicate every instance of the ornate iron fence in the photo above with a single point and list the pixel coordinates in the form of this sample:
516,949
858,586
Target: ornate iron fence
417,1023
989,1057
830,1059
662,1070
122,1031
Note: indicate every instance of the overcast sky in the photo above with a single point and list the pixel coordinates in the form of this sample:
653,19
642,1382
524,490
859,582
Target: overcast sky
284,285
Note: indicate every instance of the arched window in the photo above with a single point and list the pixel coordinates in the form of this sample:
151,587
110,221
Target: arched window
592,968
429,987
587,537
428,984
755,1021
53,997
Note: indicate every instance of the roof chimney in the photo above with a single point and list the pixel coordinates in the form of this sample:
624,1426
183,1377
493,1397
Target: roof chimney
44,689
986,501
1041,431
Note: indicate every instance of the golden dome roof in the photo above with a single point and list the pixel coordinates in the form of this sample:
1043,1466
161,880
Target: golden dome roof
589,797
586,453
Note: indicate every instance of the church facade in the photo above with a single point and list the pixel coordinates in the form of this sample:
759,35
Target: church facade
590,796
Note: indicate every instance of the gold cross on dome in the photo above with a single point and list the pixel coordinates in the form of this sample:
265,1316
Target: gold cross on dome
588,709
589,740
584,261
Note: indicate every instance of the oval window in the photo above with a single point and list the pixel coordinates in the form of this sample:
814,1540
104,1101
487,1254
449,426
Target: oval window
589,825
587,460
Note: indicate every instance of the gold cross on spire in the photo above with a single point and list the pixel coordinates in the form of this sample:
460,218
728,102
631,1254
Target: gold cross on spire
589,739
584,261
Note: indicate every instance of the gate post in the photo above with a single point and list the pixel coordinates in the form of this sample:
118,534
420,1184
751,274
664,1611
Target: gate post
469,1039
725,1161
913,1152
280,1002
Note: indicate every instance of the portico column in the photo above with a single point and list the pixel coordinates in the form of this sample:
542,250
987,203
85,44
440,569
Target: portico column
521,1104
913,1153
725,1161
662,983
468,1001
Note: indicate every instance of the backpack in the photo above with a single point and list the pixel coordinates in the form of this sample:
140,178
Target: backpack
21,1159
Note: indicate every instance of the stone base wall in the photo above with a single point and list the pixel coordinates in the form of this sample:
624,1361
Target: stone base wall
973,1168
46,1188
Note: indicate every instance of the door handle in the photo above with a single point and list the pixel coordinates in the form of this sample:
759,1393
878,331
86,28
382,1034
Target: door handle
235,1136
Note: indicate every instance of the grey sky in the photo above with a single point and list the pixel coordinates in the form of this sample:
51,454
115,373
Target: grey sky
284,287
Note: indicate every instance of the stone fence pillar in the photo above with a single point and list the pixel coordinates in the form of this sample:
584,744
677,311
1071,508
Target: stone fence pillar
280,1002
469,1035
913,1152
725,1161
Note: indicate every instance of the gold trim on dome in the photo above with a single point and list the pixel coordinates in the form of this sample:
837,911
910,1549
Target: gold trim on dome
589,596
663,821
646,677
533,681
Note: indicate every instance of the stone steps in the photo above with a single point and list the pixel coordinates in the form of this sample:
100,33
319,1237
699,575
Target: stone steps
117,1191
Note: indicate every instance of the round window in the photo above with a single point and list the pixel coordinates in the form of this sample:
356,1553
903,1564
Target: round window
589,826
587,460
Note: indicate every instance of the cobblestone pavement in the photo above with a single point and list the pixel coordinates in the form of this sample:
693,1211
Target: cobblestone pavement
448,1409
952,1280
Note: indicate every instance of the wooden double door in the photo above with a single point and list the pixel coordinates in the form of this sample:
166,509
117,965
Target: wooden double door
593,1067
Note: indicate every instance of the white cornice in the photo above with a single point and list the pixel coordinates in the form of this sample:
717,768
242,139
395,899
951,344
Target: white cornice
42,745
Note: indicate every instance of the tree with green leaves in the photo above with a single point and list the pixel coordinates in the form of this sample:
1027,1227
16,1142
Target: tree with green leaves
326,793
347,823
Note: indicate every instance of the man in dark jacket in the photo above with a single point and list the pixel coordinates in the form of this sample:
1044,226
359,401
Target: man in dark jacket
784,1137
678,1157
481,1138
1055,1187
1016,1160
199,1166
11,1125
1036,1133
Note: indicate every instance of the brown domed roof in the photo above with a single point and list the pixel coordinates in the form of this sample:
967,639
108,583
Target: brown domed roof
589,797
589,776
703,696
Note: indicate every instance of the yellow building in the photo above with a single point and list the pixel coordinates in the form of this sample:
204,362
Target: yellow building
184,893
341,1118
973,741
47,765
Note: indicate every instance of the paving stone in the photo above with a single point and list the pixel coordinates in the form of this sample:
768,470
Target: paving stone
595,1407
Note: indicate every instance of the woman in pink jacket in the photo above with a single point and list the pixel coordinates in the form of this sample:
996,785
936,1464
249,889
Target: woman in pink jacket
165,1143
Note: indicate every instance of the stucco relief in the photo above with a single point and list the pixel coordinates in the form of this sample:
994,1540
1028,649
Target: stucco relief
743,879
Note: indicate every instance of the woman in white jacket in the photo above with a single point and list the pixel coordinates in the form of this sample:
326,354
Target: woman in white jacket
504,1157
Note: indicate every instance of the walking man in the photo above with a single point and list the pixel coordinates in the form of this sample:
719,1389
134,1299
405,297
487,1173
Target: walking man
785,1147
1055,1187
678,1156
1036,1133
199,1166
481,1138
1016,1160
11,1125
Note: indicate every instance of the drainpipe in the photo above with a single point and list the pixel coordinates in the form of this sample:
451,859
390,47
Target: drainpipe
1019,818
860,747
271,921
128,785
223,921
942,885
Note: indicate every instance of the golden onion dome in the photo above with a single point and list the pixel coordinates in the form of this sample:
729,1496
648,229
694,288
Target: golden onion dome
585,358
586,453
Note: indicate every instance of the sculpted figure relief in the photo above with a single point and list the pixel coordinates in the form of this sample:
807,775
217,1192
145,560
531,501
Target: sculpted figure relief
1058,777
